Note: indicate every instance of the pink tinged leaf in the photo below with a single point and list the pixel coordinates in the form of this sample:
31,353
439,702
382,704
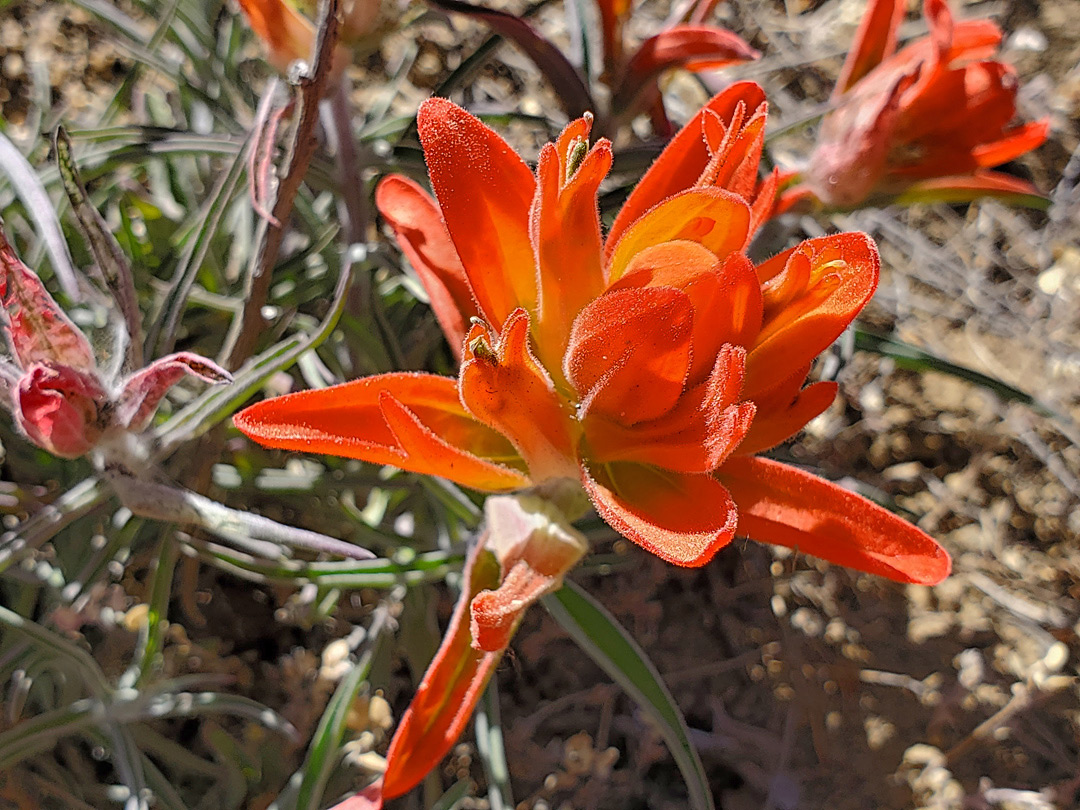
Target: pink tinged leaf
565,228
692,47
38,330
875,41
485,192
412,421
60,409
571,91
144,390
783,505
422,235
535,546
629,354
684,159
855,143
684,519
506,388
449,690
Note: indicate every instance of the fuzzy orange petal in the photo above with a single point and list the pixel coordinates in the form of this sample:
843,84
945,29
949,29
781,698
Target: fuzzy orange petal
811,294
566,233
506,388
683,160
485,192
717,219
726,296
449,691
788,507
874,42
697,436
629,353
684,519
422,234
412,421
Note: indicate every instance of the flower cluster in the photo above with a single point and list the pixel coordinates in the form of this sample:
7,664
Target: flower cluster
646,368
926,122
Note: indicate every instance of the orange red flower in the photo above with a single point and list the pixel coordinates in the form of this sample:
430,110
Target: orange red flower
645,368
926,122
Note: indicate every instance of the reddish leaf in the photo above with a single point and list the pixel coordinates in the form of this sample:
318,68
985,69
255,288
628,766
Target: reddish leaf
412,421
874,42
144,390
38,330
507,389
450,688
556,68
423,237
629,354
485,192
693,47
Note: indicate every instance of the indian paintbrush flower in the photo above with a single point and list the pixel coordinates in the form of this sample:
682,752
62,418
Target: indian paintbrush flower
926,122
60,398
645,369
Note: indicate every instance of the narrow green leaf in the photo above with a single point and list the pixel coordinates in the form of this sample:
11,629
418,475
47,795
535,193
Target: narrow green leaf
453,798
489,744
913,358
322,756
220,401
611,646
114,268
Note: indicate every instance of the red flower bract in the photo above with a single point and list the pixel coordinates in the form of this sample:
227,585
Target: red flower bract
645,369
643,365
928,121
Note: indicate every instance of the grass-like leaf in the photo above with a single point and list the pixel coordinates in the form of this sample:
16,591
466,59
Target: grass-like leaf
322,756
611,646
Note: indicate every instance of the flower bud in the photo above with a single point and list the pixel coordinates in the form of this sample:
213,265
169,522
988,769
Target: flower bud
60,409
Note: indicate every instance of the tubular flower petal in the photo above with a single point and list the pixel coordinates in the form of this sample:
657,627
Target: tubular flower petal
937,110
413,421
646,389
565,229
482,187
507,389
